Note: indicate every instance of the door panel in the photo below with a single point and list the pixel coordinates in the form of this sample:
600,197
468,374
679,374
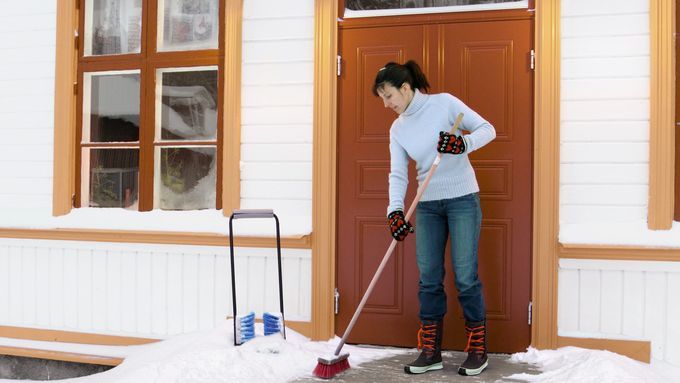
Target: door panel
363,154
485,64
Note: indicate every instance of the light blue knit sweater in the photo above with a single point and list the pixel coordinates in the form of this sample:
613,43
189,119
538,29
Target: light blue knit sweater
415,133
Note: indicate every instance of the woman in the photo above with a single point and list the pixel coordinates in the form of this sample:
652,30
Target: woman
449,206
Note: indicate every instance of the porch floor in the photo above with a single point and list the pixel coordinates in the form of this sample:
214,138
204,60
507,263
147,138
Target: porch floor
391,369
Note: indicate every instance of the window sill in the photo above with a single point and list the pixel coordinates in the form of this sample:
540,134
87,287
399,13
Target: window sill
203,228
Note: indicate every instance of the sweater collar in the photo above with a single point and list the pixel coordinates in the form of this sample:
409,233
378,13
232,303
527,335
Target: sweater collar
416,103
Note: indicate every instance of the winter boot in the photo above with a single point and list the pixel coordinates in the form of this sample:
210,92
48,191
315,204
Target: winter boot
430,342
476,360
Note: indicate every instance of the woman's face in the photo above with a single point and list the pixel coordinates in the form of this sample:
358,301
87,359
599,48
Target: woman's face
396,99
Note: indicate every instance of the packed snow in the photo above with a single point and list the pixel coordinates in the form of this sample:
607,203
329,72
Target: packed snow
574,364
211,357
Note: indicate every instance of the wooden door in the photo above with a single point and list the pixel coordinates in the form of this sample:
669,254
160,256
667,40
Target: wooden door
485,62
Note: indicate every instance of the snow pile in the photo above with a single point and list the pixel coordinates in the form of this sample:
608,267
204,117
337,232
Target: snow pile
211,357
574,364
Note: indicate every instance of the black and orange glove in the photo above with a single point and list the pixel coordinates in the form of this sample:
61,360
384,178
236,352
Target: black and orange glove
399,227
450,143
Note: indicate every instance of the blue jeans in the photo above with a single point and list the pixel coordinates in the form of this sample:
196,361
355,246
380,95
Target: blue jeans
461,218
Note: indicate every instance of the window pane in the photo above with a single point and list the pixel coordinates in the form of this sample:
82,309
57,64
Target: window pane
398,4
188,104
111,107
185,178
110,178
113,27
187,24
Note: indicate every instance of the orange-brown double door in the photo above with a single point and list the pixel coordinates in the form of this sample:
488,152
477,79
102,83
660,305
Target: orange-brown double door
487,65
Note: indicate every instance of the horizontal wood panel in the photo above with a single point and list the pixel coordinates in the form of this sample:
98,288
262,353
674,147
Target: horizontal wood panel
638,350
173,238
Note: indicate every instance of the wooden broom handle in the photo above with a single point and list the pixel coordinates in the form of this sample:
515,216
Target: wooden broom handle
393,244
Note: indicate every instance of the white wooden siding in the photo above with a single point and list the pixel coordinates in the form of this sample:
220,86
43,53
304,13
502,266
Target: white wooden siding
27,46
277,106
622,300
143,290
604,111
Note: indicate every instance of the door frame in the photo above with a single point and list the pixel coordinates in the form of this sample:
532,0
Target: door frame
545,157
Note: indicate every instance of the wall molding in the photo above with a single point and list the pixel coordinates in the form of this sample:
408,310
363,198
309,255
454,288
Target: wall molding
546,174
635,349
619,253
662,115
155,237
25,333
324,168
65,78
231,107
60,355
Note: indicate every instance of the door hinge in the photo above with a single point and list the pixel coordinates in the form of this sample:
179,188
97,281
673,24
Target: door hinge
73,200
75,38
75,88
339,65
336,295
530,307
532,59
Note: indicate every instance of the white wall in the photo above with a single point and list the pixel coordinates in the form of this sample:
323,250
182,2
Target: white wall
154,290
27,53
277,101
622,300
604,111
143,290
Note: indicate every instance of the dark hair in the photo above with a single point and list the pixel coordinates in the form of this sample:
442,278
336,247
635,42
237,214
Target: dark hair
397,74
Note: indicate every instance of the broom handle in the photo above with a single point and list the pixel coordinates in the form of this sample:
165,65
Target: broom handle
393,244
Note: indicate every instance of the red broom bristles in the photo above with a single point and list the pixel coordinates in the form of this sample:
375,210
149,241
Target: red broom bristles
327,371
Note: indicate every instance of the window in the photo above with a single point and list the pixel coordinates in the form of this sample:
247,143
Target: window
149,109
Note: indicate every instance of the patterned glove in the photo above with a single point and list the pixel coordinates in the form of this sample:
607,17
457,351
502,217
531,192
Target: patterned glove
450,143
399,227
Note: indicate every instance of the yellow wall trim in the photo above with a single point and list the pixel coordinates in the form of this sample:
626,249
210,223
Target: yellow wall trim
662,115
60,355
70,336
635,349
304,328
546,174
231,110
158,237
620,253
66,59
324,168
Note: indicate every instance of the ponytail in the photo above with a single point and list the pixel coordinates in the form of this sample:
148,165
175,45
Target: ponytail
396,75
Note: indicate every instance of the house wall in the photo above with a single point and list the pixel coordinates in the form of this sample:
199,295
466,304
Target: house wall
622,300
156,290
141,290
604,165
278,73
27,46
604,177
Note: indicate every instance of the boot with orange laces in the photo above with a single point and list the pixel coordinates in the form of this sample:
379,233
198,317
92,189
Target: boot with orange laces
476,360
430,342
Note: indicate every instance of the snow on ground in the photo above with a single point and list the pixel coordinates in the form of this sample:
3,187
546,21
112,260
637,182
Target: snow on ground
211,357
574,364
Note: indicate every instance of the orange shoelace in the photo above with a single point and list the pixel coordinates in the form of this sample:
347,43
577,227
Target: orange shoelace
426,336
475,341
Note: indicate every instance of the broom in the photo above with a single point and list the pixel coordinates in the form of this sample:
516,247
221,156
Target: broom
327,367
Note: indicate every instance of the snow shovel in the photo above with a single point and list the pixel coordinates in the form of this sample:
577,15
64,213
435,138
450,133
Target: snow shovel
244,326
